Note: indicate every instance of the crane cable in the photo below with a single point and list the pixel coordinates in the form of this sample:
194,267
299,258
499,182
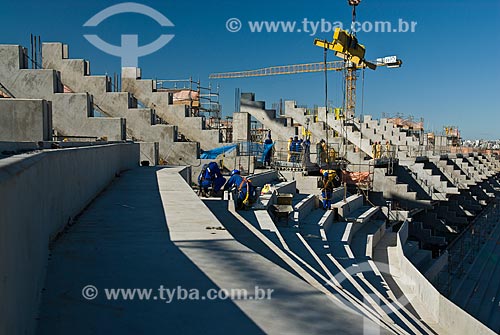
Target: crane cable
362,93
326,105
353,32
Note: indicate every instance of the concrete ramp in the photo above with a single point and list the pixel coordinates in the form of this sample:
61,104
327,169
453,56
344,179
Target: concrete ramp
150,229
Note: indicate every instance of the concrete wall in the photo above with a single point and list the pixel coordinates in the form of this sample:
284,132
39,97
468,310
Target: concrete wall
40,194
241,127
260,179
427,301
149,152
437,266
18,146
281,128
373,239
25,120
326,222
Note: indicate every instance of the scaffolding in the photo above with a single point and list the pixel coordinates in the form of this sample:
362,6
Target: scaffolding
452,135
225,127
202,100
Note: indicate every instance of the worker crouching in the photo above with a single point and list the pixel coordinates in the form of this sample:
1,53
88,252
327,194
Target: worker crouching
329,180
247,194
210,179
326,186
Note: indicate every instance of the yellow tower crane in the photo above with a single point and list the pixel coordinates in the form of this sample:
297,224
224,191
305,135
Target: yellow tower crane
340,65
346,46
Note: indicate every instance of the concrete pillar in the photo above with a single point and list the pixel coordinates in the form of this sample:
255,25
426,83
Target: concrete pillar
241,126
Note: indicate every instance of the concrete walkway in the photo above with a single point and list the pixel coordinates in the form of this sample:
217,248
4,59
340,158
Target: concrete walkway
149,229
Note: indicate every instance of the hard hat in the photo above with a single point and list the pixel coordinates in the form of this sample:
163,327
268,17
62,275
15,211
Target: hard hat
235,171
325,174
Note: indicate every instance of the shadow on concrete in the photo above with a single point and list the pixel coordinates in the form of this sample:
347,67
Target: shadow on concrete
242,234
122,241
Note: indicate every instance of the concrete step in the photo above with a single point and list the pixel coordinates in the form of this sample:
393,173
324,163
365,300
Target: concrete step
304,208
362,214
352,203
353,137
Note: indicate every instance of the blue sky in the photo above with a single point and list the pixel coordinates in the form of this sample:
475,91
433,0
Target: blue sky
450,74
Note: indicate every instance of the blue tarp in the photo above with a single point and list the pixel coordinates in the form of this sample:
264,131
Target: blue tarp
212,154
267,148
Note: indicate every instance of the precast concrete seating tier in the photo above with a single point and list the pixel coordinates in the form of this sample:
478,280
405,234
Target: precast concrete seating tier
141,122
306,244
305,241
282,127
429,175
454,174
392,188
72,113
350,134
191,127
300,115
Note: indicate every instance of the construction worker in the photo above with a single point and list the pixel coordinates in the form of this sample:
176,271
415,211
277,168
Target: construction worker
374,149
306,152
210,179
332,155
298,149
319,151
379,149
326,186
246,191
388,149
290,141
294,149
268,149
324,152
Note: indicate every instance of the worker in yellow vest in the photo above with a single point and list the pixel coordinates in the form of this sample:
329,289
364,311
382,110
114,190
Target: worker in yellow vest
388,149
379,149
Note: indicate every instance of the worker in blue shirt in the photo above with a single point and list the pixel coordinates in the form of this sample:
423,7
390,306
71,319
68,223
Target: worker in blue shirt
246,191
294,148
210,177
268,149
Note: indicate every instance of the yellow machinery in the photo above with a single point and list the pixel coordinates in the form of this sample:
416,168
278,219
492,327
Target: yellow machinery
346,46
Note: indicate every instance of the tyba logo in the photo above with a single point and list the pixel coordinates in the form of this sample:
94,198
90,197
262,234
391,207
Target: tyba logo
129,51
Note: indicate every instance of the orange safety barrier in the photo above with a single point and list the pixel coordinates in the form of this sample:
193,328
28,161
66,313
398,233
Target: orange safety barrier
356,177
